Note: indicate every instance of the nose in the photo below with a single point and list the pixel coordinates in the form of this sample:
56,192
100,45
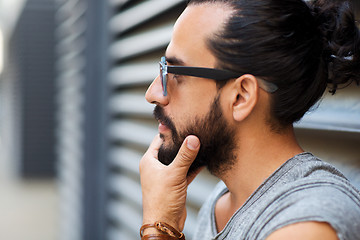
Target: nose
154,93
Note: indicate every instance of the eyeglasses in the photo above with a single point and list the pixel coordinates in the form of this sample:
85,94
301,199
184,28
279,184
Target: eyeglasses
210,73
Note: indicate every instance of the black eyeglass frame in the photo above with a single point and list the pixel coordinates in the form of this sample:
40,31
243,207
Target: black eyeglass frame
210,73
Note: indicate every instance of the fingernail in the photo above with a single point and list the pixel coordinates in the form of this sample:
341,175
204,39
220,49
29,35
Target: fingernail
193,142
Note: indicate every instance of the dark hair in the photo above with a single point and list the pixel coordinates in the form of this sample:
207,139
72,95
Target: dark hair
301,47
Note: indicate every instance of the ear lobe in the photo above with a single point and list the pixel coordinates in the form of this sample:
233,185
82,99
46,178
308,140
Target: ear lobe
246,88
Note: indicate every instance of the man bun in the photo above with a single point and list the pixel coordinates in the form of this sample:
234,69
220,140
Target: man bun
341,39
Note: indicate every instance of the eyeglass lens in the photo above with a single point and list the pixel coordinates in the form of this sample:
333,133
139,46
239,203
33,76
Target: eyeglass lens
163,77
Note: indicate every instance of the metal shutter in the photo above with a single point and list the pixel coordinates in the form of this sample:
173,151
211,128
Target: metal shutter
71,61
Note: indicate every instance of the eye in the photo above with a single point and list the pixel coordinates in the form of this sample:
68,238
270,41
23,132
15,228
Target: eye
175,78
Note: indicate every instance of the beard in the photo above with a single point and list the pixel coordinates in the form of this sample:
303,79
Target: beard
216,137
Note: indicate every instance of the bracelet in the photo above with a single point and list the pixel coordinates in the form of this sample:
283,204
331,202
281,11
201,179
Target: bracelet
167,231
160,236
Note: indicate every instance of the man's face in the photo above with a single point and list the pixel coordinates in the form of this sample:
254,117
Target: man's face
193,105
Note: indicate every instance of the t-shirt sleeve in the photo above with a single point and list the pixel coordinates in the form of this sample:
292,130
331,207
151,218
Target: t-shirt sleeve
336,204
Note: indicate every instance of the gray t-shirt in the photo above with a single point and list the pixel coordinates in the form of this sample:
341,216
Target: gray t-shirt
302,189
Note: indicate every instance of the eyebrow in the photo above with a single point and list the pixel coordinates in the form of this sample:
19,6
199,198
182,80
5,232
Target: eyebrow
174,61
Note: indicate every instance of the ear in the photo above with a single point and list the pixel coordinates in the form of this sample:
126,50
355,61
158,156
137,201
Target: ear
245,96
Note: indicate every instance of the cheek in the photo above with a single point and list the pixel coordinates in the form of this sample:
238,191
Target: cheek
191,100
186,114
196,101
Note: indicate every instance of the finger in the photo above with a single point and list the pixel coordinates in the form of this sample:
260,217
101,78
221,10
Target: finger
186,154
155,146
151,155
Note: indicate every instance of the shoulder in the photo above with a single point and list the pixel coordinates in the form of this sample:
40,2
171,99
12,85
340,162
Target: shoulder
310,196
305,230
311,205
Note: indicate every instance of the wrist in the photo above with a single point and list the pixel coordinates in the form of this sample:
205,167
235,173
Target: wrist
160,230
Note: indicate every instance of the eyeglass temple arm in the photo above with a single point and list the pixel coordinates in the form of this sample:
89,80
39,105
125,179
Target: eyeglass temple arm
217,74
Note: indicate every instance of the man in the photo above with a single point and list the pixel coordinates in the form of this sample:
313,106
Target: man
235,77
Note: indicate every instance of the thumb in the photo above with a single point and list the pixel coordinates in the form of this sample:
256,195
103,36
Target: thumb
187,154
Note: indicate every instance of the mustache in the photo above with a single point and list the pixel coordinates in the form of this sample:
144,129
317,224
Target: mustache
159,115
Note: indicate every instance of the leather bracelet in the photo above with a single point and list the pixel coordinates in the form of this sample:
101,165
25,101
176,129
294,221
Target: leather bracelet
159,236
145,226
166,230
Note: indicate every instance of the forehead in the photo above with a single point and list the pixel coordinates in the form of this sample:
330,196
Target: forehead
192,29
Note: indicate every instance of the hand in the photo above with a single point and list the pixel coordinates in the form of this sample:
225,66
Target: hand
164,188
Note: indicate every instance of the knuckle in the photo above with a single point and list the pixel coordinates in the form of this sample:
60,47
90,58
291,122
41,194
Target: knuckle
187,155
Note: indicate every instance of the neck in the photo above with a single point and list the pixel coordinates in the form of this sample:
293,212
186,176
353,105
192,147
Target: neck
257,158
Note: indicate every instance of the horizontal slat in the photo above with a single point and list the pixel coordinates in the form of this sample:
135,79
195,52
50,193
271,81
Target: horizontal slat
133,74
126,159
141,43
117,3
71,31
71,49
134,104
71,191
70,12
132,132
340,112
201,188
126,188
70,79
74,31
70,61
124,214
70,145
116,233
72,44
69,110
140,14
347,122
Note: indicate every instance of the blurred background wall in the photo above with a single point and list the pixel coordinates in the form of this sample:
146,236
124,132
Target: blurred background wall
28,90
28,202
74,121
